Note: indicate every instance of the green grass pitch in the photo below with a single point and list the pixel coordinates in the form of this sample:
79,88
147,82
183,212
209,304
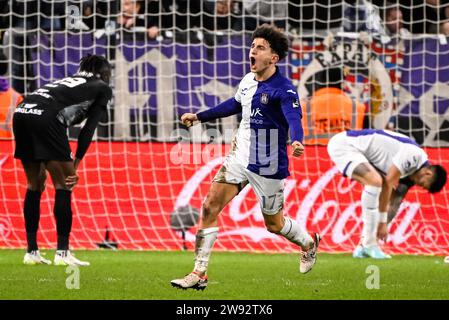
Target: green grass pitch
233,276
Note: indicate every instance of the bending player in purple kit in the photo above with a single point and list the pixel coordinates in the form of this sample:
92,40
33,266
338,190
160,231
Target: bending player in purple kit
387,164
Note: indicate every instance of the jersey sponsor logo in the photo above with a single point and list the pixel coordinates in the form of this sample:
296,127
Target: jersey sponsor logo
256,113
244,91
256,121
28,105
28,108
264,98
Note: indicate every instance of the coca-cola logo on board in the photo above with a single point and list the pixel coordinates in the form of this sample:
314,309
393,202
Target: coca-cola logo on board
319,210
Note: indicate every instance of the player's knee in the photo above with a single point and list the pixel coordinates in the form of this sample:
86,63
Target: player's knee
35,187
63,186
375,180
60,184
42,181
211,208
273,227
38,184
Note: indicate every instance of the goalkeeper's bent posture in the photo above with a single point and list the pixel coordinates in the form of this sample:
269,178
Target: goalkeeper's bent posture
270,106
40,125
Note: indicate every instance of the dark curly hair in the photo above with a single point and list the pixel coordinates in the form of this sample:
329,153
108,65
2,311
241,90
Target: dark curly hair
439,181
98,65
275,37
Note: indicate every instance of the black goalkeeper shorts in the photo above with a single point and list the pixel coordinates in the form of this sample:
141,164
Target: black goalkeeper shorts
40,137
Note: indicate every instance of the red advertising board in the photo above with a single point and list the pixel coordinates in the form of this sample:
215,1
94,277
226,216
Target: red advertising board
131,189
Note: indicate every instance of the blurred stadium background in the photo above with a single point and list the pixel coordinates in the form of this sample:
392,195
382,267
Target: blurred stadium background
145,176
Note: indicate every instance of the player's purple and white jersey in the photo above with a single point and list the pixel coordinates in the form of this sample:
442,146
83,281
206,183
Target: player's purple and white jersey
384,148
267,108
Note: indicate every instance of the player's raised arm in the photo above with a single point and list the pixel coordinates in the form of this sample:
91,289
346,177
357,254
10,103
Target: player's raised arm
293,114
225,109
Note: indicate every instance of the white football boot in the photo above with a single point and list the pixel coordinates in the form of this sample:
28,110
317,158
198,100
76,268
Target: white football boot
33,258
65,258
191,281
376,252
308,258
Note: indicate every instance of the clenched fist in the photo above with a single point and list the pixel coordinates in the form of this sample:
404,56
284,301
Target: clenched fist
297,149
188,118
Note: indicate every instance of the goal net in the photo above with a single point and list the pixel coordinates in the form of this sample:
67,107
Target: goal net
145,175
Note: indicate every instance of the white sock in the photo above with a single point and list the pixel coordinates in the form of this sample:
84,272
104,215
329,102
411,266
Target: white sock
370,215
205,239
294,232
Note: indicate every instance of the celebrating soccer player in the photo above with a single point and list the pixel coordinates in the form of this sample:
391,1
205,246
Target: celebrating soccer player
270,106
40,128
380,160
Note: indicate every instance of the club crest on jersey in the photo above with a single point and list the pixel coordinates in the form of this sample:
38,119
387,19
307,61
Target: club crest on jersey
264,98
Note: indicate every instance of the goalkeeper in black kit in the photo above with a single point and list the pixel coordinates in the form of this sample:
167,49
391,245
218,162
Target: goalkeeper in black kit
40,129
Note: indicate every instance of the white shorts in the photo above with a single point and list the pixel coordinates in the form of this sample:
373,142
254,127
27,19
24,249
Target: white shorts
269,192
345,156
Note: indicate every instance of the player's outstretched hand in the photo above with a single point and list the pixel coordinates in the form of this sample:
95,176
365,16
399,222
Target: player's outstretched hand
188,118
382,231
297,149
71,181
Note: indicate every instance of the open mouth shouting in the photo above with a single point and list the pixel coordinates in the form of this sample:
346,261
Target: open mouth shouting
252,62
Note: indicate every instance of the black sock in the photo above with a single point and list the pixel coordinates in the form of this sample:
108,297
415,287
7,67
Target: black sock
31,212
63,215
